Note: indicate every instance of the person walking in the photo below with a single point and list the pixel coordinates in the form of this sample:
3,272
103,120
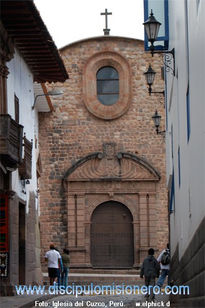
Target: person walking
164,260
150,270
60,268
66,262
53,258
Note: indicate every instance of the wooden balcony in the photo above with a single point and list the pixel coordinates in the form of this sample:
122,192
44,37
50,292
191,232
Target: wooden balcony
25,170
11,135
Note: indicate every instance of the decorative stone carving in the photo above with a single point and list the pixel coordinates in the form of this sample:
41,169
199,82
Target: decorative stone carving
109,150
112,166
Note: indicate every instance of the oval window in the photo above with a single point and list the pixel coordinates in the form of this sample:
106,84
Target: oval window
108,85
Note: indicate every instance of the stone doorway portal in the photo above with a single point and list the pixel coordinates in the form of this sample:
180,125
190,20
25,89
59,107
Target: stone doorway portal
112,244
112,209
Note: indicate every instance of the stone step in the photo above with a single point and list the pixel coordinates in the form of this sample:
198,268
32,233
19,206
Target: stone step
101,278
105,271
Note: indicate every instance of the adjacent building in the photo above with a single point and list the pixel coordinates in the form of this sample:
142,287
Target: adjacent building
185,148
183,26
27,55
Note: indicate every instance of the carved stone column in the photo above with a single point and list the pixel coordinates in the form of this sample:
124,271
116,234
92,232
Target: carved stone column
144,226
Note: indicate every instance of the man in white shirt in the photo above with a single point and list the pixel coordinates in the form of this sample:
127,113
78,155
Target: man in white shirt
164,261
53,258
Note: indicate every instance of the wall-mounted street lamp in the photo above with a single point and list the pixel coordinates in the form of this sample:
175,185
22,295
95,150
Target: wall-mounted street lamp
150,75
50,93
157,118
152,29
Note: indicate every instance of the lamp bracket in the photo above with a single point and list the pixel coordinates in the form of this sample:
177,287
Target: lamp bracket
154,92
158,92
169,59
160,132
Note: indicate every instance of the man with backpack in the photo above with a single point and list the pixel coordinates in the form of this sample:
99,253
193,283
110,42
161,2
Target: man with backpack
150,270
164,260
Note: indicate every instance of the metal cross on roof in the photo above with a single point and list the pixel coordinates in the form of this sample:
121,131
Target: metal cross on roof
106,30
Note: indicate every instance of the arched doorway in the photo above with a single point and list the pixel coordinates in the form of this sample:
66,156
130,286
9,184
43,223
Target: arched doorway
112,236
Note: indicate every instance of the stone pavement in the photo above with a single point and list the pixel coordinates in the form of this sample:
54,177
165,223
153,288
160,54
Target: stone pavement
105,301
21,301
131,301
45,300
31,301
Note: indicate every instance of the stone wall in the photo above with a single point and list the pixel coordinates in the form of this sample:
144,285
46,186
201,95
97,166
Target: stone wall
189,270
14,240
33,267
73,130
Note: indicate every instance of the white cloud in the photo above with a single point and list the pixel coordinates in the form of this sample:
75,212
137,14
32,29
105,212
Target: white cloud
72,20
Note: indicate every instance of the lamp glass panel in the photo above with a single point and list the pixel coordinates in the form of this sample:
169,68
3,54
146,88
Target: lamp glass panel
154,29
150,78
150,75
156,119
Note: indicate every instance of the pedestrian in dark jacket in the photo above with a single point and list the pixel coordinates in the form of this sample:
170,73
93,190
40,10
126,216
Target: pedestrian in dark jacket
66,262
150,270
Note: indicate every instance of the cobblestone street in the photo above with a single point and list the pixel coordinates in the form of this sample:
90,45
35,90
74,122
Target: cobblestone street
138,300
82,301
104,301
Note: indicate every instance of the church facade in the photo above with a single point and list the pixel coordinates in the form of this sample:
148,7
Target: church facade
103,189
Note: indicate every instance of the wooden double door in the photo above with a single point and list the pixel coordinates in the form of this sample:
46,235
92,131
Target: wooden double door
112,243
